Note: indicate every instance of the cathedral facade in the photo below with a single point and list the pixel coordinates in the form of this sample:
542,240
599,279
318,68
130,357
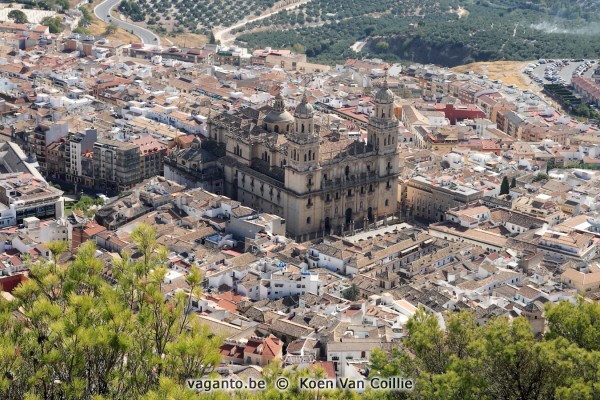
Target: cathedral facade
320,181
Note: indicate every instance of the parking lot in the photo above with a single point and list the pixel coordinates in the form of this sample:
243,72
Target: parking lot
560,71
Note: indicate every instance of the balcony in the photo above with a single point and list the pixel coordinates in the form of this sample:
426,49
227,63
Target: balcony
355,179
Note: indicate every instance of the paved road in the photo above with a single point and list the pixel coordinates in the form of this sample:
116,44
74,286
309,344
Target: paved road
103,10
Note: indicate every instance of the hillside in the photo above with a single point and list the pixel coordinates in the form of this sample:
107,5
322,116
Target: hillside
447,32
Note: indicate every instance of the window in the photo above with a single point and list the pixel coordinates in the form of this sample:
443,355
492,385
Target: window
308,220
387,202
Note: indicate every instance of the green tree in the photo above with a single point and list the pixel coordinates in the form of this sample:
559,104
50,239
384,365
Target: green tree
351,293
299,49
87,205
57,248
86,17
78,337
382,46
541,177
504,186
579,323
513,182
111,29
54,24
144,237
18,16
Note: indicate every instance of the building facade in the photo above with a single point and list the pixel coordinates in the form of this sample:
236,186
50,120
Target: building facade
430,199
320,181
117,165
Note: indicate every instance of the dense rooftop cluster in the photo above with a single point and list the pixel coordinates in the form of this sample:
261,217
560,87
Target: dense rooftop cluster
287,213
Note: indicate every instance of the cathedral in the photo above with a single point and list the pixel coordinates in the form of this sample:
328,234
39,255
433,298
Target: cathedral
320,180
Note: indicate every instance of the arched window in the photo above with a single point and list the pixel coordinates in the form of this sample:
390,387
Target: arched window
308,220
310,154
347,171
387,202
304,157
302,128
276,128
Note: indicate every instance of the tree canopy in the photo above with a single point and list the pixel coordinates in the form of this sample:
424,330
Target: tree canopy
69,334
18,16
504,186
54,24
502,359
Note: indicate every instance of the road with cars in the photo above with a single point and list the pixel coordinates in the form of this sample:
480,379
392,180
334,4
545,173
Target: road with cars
103,11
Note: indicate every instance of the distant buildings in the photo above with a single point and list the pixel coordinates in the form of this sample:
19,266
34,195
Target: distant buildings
23,195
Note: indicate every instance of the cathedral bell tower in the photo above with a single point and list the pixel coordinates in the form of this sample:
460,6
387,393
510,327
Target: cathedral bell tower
302,172
383,125
303,142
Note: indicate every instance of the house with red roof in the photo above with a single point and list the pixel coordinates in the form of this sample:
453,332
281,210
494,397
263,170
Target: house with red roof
256,351
262,351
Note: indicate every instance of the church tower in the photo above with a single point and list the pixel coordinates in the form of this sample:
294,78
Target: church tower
383,136
303,142
383,125
302,172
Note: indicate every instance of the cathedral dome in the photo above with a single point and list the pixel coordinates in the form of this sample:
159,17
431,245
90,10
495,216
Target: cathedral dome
304,109
384,94
278,114
276,117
